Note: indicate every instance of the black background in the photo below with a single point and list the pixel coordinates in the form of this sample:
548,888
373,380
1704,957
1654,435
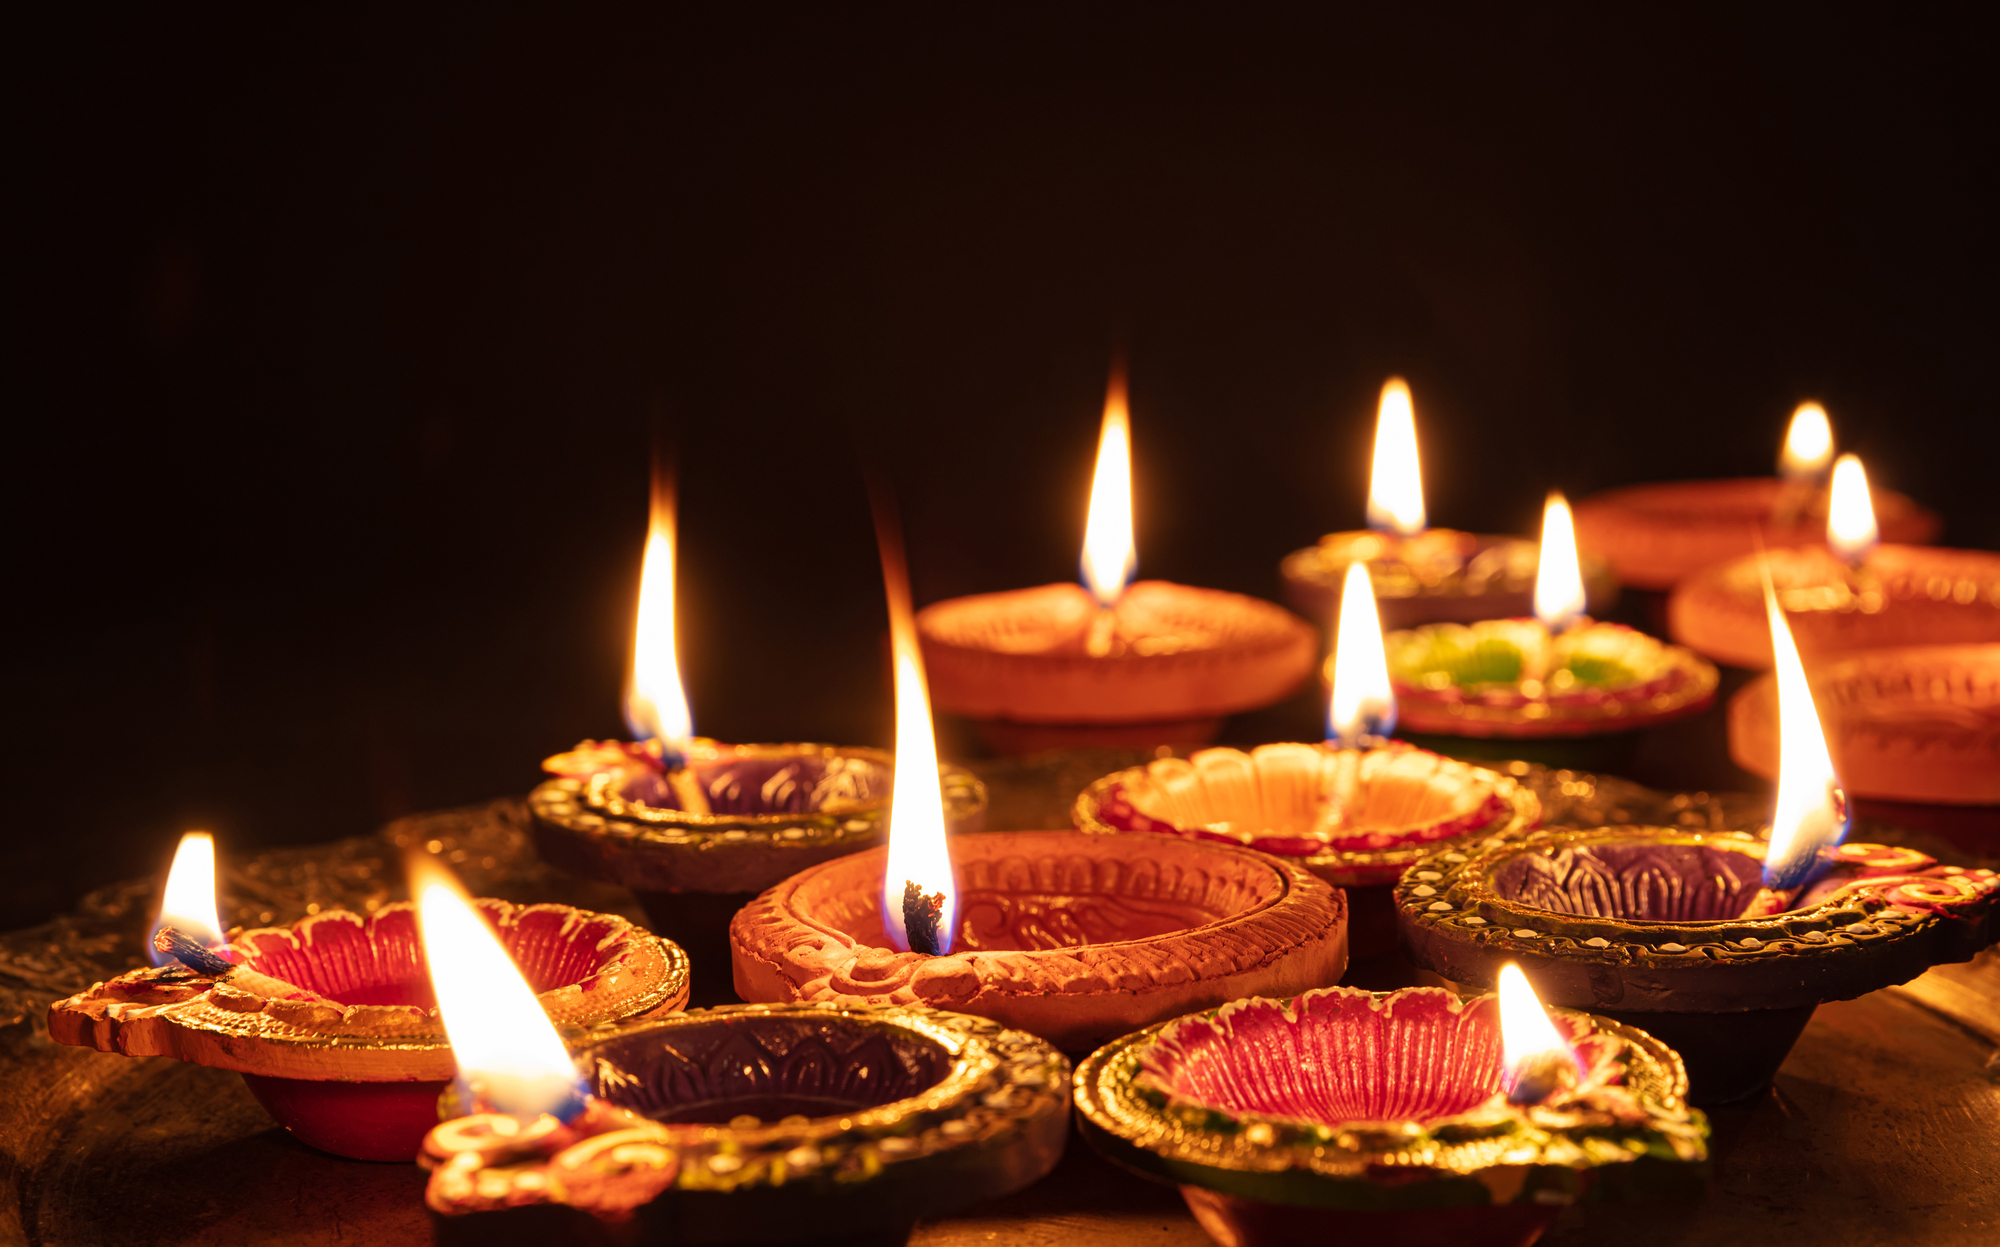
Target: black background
337,344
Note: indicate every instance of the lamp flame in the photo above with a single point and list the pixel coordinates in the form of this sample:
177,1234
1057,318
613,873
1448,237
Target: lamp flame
1559,599
655,706
510,1059
1396,482
1363,702
1530,1043
1109,554
1808,444
188,902
1850,513
1811,812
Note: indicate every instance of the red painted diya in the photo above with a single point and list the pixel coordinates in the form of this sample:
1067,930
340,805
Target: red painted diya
1350,1116
1049,668
332,1023
1908,723
1902,595
1072,937
1672,931
1356,818
1439,575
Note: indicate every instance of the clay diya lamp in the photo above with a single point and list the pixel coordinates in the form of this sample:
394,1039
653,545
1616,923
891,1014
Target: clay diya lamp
1401,1117
331,1021
694,827
1847,594
1657,535
1421,575
1720,944
1068,936
1118,664
1558,688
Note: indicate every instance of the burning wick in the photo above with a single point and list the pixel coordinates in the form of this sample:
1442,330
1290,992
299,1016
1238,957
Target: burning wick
1851,529
1559,595
921,917
1811,812
1109,553
1395,482
1362,706
179,946
656,707
1538,1061
1803,462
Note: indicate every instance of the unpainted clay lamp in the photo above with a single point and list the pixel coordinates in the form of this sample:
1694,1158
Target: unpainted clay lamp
1411,1116
1847,594
733,1125
1657,535
1720,944
1068,936
331,1021
1422,575
1356,810
1115,664
694,827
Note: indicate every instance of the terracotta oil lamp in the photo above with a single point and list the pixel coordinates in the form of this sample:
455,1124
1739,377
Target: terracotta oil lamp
1394,1117
1720,944
1115,664
1849,593
1657,535
331,1021
697,828
1071,937
1355,811
740,1124
1422,575
1536,687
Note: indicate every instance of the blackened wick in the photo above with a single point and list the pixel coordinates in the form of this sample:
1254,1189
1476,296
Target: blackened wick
921,916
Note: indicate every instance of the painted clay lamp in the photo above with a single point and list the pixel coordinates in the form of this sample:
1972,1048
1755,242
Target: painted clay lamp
1115,664
1559,675
1422,575
1071,937
331,1021
1394,1117
1849,593
697,828
1657,535
1356,811
1720,944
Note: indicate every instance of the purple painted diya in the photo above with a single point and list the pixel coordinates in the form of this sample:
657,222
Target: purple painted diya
1346,1115
1674,931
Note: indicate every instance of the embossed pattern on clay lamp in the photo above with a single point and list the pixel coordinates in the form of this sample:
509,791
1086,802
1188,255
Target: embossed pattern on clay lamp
332,1023
1072,937
1349,1116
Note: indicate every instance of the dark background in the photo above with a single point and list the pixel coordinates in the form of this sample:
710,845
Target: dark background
337,344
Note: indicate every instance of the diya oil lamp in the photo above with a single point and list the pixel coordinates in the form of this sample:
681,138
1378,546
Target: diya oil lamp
741,1124
697,828
1405,1117
1720,944
1559,677
1659,534
1846,594
1354,811
1115,663
1421,575
1071,937
331,1021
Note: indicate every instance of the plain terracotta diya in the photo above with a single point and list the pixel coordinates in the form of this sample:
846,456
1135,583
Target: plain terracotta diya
1072,937
771,811
1672,931
1349,1116
1439,575
1356,818
762,1124
332,1023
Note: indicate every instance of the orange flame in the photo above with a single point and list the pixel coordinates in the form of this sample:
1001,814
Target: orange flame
188,902
1559,598
1362,702
1526,1033
1850,512
1811,812
655,706
1396,482
1109,553
1808,444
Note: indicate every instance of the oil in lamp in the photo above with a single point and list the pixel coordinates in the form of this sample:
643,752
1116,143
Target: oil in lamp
1721,944
1558,676
1109,663
694,827
1071,937
1657,535
1410,1116
1421,575
1355,810
732,1125
331,1021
